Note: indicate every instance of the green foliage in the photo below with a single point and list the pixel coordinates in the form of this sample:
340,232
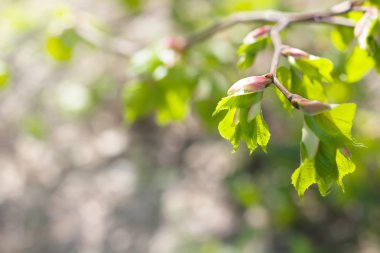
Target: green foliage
243,121
4,75
358,64
248,52
61,47
325,138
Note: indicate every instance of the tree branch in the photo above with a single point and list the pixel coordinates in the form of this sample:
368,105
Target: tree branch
272,16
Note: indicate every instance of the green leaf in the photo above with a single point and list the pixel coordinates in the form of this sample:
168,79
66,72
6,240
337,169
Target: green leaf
375,2
243,121
238,101
303,177
138,100
4,75
263,134
323,137
345,167
229,130
60,47
284,76
248,52
358,64
342,37
325,166
316,68
334,125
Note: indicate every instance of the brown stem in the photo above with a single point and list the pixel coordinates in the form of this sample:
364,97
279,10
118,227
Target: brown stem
271,16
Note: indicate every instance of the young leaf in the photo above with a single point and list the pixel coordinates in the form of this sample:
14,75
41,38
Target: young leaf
248,52
324,155
243,121
358,64
253,43
285,78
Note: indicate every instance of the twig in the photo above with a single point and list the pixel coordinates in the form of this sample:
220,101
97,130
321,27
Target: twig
281,20
271,16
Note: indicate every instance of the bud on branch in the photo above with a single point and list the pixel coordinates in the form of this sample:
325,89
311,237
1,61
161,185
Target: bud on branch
310,107
250,84
257,33
294,52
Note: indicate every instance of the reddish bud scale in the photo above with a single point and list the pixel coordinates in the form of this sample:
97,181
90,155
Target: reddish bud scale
294,52
176,43
310,107
346,152
257,33
251,84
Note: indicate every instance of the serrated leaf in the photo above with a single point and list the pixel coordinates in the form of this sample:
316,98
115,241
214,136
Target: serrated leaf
243,121
263,134
326,167
323,137
248,52
238,101
334,125
303,177
230,130
345,167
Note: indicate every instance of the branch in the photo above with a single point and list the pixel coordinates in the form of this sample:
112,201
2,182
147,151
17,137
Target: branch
271,16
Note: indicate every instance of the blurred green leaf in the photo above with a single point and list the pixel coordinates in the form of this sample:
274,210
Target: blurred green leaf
4,75
248,52
60,47
358,64
342,37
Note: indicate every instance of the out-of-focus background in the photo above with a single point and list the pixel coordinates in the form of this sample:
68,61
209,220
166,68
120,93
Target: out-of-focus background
76,177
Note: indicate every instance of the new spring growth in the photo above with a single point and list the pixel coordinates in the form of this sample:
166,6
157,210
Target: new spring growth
257,33
309,107
294,52
365,25
250,84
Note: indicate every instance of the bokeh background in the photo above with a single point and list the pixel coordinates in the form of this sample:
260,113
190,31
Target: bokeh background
76,177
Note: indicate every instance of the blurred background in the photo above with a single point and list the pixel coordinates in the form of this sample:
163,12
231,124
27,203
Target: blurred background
89,164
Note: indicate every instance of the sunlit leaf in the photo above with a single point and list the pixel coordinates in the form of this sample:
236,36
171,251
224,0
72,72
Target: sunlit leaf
248,52
358,64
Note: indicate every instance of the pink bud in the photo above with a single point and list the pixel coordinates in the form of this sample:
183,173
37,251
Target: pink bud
257,33
310,107
175,43
251,84
346,152
294,52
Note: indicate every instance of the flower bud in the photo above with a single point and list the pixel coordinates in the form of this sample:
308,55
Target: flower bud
310,107
294,52
250,84
177,44
257,33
